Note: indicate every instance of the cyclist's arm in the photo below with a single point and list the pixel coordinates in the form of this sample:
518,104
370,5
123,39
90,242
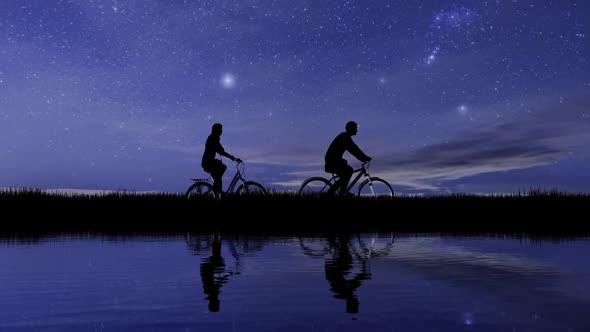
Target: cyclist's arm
222,152
225,154
357,152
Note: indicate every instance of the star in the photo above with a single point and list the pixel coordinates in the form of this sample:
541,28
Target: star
463,109
228,80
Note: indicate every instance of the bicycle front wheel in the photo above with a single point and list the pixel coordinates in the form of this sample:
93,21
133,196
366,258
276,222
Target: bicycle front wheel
375,187
315,186
251,187
200,188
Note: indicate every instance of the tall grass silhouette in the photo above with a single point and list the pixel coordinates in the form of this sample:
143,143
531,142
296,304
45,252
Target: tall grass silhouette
535,211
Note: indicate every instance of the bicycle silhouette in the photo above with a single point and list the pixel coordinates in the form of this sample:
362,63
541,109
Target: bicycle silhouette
372,186
204,187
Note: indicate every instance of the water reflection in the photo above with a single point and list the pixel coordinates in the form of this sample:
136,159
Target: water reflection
213,270
290,283
339,266
346,264
346,258
214,273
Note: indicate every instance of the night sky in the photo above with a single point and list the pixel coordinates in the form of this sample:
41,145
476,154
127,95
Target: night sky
449,96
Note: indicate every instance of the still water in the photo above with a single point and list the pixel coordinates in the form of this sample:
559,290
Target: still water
223,282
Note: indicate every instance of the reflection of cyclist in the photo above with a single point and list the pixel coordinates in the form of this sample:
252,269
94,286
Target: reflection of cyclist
340,265
213,166
211,268
338,165
214,271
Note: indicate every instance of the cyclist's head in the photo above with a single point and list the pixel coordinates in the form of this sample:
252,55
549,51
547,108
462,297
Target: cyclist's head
216,129
351,127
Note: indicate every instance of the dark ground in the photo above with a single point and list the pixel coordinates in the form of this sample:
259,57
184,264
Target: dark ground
543,214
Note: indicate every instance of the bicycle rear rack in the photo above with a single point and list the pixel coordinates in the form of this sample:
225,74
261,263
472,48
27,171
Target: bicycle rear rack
197,180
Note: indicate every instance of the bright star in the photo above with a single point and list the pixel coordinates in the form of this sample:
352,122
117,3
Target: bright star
463,109
228,80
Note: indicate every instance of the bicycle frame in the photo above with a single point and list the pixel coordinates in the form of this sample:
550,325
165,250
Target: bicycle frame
237,177
234,181
361,172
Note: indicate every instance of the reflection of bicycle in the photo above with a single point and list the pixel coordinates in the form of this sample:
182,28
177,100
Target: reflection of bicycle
371,186
204,187
364,248
238,246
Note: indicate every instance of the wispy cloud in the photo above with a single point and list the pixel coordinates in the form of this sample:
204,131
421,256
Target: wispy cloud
505,148
500,147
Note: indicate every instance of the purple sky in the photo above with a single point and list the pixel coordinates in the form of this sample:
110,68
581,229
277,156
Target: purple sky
462,96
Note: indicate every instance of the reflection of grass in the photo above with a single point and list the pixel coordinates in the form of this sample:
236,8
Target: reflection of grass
539,212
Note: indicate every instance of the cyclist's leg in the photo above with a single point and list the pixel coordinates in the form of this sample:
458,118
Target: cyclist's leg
217,172
336,186
344,173
332,168
345,176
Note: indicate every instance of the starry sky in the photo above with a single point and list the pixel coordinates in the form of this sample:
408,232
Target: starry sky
449,96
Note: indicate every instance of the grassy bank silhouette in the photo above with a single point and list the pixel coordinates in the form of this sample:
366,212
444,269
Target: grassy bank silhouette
534,212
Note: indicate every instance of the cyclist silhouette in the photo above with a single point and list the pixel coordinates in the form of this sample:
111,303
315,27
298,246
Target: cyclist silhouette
335,163
213,166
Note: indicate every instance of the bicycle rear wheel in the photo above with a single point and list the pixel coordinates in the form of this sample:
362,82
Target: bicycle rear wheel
375,187
251,187
315,186
200,188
